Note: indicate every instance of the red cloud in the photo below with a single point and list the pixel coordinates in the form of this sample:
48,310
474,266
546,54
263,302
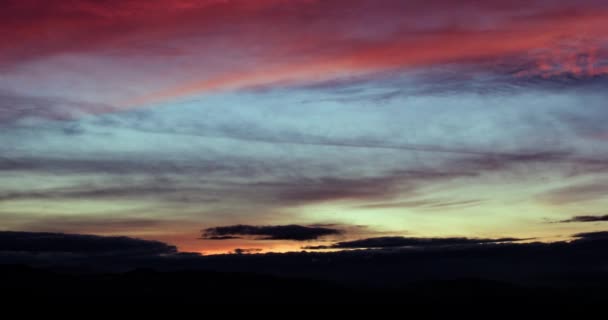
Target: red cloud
240,43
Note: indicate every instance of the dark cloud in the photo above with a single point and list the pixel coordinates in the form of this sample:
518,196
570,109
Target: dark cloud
586,219
591,236
221,238
285,232
397,242
246,251
33,242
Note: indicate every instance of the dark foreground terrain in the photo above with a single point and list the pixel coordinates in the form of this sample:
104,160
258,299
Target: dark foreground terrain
59,268
20,283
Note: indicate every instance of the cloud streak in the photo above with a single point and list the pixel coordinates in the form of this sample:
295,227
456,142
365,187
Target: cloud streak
400,242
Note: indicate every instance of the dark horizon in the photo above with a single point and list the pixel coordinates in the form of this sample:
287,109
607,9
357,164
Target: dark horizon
60,268
523,263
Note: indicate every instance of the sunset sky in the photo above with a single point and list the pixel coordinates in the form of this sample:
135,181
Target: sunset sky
277,125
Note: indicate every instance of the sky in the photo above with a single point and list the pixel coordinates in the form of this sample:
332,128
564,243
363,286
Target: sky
284,125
